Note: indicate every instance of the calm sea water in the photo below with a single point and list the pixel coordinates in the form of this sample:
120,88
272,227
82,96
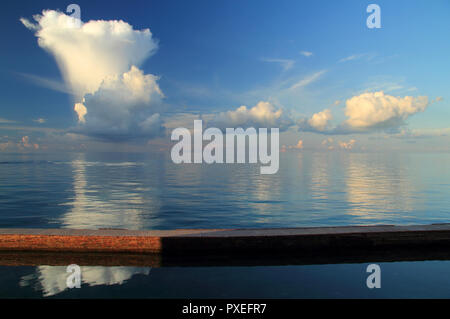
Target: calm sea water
144,191
428,279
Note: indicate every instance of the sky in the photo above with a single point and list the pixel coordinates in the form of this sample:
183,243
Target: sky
132,71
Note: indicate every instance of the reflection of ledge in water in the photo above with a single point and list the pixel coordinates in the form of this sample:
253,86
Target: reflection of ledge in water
226,260
282,246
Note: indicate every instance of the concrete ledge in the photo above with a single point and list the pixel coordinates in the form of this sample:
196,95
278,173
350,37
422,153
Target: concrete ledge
227,241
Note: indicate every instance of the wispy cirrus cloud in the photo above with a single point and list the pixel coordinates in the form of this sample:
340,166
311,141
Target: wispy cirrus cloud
52,84
387,84
407,133
286,64
353,57
5,121
307,80
24,128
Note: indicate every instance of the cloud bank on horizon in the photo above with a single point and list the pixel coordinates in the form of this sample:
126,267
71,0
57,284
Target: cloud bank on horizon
99,61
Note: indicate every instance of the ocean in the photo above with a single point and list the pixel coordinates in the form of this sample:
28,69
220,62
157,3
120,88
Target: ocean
148,191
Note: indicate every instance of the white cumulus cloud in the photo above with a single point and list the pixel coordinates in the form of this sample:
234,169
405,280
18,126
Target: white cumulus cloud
120,107
99,62
320,120
368,112
263,114
379,110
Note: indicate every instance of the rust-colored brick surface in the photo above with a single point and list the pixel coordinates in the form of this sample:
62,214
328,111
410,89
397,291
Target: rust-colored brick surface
80,243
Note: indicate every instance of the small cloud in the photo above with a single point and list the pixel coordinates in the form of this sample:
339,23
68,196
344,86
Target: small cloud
263,114
24,144
306,53
328,143
26,141
347,145
349,58
81,111
286,64
40,120
298,146
357,57
439,99
319,122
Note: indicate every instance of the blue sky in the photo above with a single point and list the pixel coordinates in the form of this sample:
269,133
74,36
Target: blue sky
214,56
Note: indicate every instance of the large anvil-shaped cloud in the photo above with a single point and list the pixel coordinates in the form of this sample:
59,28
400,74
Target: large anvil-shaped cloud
99,62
